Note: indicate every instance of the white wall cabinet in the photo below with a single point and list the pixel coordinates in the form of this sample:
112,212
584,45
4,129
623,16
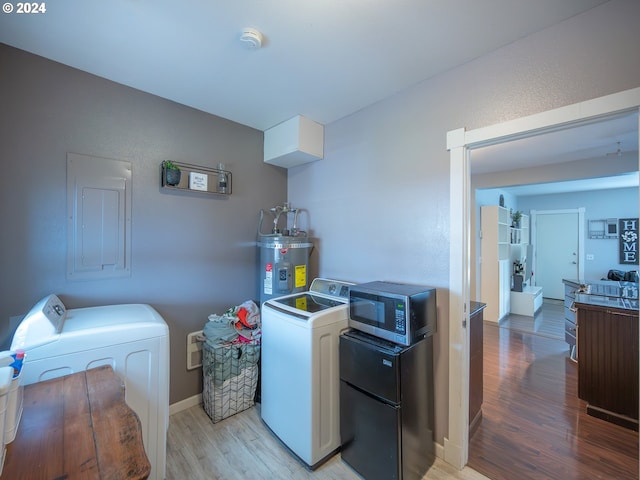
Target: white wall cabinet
297,141
495,273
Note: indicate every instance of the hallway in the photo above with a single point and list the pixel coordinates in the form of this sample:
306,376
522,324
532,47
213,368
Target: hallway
534,426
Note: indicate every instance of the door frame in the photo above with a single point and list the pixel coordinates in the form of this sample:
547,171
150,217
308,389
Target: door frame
459,143
581,238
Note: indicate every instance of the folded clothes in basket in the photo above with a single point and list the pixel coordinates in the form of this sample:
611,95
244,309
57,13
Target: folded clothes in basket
239,324
231,342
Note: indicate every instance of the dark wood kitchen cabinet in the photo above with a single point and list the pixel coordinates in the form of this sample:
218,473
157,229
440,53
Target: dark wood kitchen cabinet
475,365
570,288
608,362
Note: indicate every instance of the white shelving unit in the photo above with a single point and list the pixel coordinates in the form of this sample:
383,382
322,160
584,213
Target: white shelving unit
529,300
519,239
495,273
501,246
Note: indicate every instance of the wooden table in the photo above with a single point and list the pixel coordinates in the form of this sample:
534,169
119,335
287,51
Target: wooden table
77,427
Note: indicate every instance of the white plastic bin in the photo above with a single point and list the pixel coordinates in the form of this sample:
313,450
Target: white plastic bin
14,408
6,375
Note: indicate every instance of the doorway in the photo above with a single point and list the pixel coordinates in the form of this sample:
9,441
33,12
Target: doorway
459,143
557,242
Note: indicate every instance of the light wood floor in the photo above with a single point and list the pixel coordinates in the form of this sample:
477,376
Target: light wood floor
242,448
534,426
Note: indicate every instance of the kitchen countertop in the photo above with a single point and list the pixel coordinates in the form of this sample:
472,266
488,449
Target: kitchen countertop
612,285
607,293
475,307
610,302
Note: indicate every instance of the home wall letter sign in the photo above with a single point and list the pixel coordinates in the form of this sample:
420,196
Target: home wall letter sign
628,241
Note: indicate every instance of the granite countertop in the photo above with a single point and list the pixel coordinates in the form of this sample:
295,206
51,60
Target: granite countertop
475,307
604,284
605,301
608,293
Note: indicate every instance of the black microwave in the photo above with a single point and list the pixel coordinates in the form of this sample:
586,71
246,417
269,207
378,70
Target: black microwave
396,312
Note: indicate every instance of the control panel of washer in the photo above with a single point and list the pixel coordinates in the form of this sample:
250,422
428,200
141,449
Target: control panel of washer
334,288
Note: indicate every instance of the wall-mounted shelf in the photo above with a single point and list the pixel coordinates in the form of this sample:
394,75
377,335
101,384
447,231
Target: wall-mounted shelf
602,229
195,178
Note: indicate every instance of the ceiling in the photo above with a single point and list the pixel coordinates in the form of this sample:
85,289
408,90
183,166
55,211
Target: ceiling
610,139
321,59
626,180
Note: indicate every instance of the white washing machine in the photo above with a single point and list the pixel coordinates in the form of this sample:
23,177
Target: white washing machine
300,399
133,339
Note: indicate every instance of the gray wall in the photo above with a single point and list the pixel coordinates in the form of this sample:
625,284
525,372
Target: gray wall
192,254
379,199
598,204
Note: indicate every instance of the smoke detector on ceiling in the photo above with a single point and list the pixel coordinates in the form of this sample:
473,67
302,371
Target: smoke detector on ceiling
251,38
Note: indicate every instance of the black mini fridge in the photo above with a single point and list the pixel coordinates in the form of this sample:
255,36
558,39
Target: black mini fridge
386,406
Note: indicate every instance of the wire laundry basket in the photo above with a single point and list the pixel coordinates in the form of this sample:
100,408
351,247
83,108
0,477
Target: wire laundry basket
230,378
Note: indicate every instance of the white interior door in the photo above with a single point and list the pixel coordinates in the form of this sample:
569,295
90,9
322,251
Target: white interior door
557,251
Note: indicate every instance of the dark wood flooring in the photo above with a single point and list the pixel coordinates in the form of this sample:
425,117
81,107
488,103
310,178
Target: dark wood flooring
534,426
548,321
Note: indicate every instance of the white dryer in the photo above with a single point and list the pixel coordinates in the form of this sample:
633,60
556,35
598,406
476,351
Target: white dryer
133,339
300,380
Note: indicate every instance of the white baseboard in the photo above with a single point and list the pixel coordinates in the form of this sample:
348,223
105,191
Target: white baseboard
184,404
439,450
452,454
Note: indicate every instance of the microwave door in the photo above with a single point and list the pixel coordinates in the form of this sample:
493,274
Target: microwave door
366,310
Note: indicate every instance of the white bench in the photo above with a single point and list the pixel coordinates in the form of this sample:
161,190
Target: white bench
526,302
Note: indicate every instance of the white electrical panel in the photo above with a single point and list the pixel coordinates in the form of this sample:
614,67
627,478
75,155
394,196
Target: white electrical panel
99,217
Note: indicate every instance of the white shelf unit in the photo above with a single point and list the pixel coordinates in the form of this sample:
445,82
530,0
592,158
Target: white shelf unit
526,302
520,235
519,238
529,300
495,267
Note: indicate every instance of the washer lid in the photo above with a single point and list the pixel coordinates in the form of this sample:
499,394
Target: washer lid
90,328
308,302
42,324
